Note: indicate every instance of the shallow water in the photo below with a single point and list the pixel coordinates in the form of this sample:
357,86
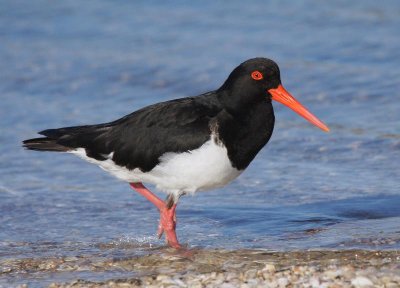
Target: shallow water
72,63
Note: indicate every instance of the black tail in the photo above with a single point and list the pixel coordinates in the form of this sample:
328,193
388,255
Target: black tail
44,144
68,138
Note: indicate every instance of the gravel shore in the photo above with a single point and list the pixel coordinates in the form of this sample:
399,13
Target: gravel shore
214,268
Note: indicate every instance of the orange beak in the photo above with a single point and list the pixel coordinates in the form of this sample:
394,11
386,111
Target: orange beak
282,96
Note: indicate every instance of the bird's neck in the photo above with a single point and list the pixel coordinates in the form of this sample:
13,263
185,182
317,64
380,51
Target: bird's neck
245,134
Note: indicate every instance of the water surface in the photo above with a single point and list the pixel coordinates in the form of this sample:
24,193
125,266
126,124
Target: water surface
72,63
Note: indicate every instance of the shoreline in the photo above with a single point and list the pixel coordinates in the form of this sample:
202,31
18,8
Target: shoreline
210,268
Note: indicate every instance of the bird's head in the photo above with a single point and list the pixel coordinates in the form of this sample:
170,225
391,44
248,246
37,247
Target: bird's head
258,80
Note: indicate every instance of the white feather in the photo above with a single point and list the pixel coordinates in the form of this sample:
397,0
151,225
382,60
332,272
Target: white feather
204,168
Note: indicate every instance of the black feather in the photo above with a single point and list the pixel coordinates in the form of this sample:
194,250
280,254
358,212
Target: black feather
140,138
240,112
44,144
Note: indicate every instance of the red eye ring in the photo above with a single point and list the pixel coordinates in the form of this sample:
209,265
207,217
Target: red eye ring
256,75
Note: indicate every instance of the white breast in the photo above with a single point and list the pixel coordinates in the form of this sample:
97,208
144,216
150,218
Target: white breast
204,168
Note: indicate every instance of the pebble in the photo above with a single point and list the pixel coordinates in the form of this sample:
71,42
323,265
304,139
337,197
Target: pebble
269,268
362,281
283,282
314,282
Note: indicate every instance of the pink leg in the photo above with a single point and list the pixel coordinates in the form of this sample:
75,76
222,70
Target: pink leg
167,216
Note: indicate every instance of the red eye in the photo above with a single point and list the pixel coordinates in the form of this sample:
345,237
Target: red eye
256,75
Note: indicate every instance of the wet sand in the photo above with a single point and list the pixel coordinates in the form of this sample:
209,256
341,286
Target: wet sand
210,268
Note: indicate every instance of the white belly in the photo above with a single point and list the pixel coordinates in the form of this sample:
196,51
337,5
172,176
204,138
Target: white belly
204,168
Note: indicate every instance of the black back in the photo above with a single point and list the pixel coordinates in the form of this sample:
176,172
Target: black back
240,113
140,138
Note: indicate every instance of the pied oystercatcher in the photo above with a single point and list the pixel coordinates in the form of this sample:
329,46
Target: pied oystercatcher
184,145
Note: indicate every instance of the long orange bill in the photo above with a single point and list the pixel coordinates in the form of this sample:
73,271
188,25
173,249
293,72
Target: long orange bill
282,96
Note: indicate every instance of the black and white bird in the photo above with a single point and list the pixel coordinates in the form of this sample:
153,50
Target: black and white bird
185,145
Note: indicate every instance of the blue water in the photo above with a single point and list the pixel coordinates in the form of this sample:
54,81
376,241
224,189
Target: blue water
69,63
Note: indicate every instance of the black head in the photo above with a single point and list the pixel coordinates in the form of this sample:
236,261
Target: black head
248,83
257,81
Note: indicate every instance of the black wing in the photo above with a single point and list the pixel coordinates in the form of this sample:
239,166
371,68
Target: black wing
140,138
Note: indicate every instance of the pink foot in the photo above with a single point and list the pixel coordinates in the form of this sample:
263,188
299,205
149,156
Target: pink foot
167,216
167,225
